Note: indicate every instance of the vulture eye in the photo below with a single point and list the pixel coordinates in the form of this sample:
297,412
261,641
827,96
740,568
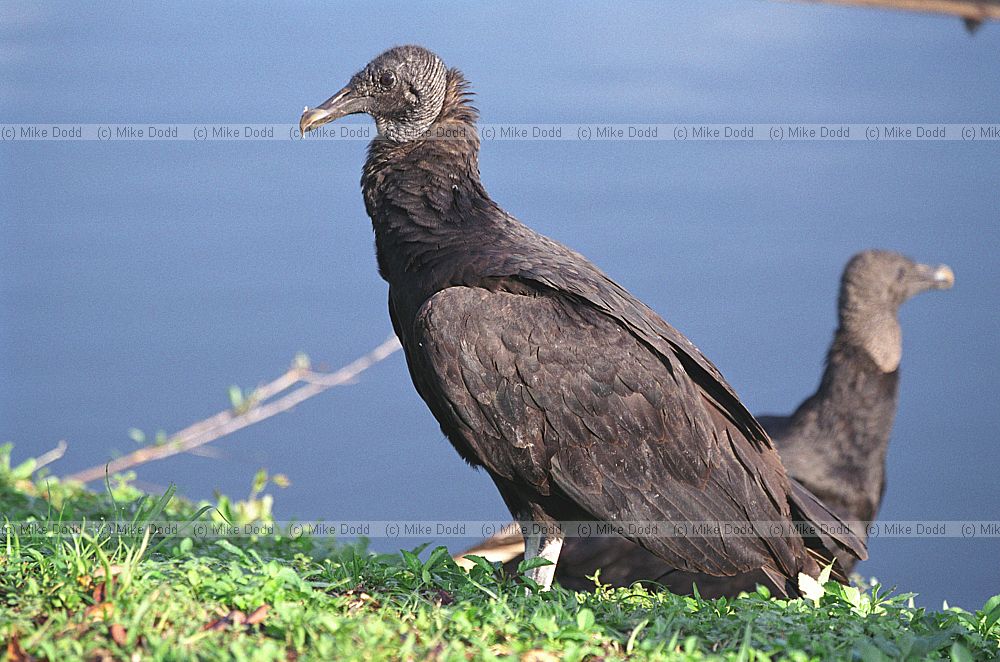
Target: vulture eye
386,79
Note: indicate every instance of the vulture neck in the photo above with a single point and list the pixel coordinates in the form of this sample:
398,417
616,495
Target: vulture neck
855,385
846,425
425,198
858,392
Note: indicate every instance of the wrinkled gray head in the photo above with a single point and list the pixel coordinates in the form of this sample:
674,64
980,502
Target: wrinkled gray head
874,285
403,89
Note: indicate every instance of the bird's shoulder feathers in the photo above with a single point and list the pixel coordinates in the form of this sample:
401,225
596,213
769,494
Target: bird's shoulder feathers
548,390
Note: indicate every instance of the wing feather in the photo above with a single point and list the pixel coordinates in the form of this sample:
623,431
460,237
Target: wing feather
555,394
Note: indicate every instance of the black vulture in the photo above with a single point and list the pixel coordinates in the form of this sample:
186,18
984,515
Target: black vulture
580,402
834,444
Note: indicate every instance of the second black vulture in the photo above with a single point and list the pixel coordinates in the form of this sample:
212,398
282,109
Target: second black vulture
834,443
579,401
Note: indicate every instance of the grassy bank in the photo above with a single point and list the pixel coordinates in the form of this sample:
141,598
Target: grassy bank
141,597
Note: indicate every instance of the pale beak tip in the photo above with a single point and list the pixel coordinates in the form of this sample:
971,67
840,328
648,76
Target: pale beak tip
944,277
312,118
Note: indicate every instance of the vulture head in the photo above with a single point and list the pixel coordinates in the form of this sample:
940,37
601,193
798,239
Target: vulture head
403,89
874,285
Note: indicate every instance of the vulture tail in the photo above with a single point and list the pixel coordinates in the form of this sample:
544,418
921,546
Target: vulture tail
785,587
832,536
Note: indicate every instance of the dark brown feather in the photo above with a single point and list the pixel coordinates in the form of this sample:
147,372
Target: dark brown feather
580,401
834,444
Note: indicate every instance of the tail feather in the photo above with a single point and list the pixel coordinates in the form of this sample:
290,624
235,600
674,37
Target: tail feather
785,587
832,537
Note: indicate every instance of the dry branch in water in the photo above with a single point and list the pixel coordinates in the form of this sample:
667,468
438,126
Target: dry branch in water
51,456
977,10
264,403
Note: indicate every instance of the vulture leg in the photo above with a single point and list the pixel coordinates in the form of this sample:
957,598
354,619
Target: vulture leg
547,546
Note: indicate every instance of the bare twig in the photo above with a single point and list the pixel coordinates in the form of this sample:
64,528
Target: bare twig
979,10
263,406
50,456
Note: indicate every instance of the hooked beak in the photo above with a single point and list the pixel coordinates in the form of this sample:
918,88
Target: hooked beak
944,277
345,102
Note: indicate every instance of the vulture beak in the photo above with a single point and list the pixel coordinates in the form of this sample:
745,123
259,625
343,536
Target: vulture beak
944,277
345,102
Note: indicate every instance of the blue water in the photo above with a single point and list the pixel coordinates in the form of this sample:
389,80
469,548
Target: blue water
139,280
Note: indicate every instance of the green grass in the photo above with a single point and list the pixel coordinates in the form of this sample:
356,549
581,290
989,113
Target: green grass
188,599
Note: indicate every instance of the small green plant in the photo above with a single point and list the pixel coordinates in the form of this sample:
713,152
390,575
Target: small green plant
257,507
159,597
